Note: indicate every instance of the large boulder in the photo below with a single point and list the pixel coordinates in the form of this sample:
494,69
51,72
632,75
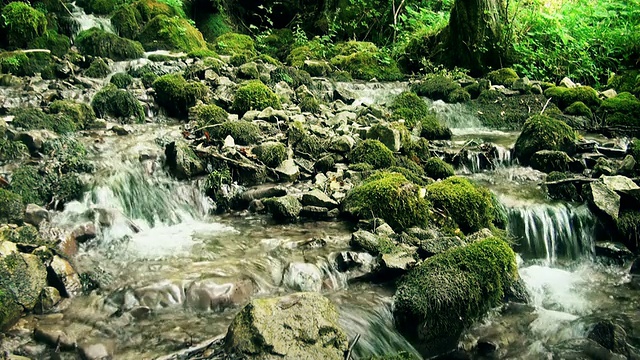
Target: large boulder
541,132
296,326
284,209
448,292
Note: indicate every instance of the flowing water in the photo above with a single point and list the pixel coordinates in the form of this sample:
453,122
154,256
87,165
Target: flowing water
88,21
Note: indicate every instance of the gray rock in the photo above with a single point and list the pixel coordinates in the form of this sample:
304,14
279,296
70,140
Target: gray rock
609,93
229,142
182,161
286,208
611,336
603,198
627,165
35,215
385,230
121,130
302,277
296,326
95,351
389,136
342,144
66,275
249,71
615,252
372,243
208,295
359,263
49,297
318,198
342,118
288,171
315,212
250,115
53,336
522,84
272,115
398,261
284,91
619,183
566,82
257,193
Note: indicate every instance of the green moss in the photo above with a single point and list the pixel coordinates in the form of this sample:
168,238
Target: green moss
12,150
254,95
214,26
389,196
118,103
410,107
410,170
46,186
367,63
176,95
208,115
170,33
271,153
309,146
97,42
66,155
579,108
436,87
243,132
57,43
566,191
233,43
550,160
267,59
11,207
22,24
26,234
202,54
313,50
458,96
99,7
310,104
147,73
504,77
564,97
468,205
149,9
33,118
127,21
629,228
634,149
448,292
98,69
81,114
292,76
30,184
623,109
431,129
372,152
418,150
437,168
121,80
627,81
276,44
362,167
541,132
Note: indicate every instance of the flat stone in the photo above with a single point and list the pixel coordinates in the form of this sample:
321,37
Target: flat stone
398,261
315,212
604,198
609,93
66,275
318,198
619,183
288,171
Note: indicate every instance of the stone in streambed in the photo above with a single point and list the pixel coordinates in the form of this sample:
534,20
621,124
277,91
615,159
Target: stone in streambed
285,209
318,198
208,295
35,214
66,278
302,277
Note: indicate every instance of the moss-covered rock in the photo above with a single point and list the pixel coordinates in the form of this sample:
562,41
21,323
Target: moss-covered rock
11,207
399,356
208,115
448,292
579,108
176,95
627,81
313,50
147,73
292,76
28,182
541,132
391,197
271,153
437,168
98,69
80,113
12,150
372,152
46,186
551,160
243,132
431,129
309,104
458,96
121,104
436,87
99,7
66,155
170,33
97,42
410,107
308,146
504,77
283,209
149,9
213,26
19,63
622,110
628,225
121,80
366,63
564,97
57,43
24,275
183,161
254,95
234,44
563,191
22,24
276,44
127,21
34,118
469,206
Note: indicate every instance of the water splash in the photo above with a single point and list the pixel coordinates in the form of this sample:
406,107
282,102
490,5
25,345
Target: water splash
457,117
88,21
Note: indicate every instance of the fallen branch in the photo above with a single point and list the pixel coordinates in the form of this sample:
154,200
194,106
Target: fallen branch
36,51
564,181
353,343
545,106
190,352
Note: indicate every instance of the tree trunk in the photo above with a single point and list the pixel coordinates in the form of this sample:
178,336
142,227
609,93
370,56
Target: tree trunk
475,37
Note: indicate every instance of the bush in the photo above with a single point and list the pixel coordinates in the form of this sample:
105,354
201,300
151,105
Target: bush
564,97
126,21
98,69
81,114
579,108
176,95
207,115
97,42
22,24
623,109
469,206
410,107
58,44
243,132
541,132
121,80
389,196
504,77
436,87
372,152
171,33
11,207
118,103
33,119
271,153
432,130
234,44
254,95
436,301
366,62
437,168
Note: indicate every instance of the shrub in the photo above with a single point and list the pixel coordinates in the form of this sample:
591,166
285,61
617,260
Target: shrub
121,80
176,95
81,114
97,42
58,44
207,115
468,205
98,69
171,33
391,197
271,153
233,44
541,132
22,23
292,76
372,152
431,129
254,95
410,107
118,103
243,132
437,168
504,77
436,87
436,301
11,207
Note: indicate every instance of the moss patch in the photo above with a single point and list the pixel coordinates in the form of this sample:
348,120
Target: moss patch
57,43
431,129
372,152
564,97
436,87
365,62
541,132
121,80
11,207
98,69
118,103
410,107
176,95
34,119
254,95
22,24
234,44
100,43
81,114
623,110
243,132
271,153
504,77
208,115
437,168
171,33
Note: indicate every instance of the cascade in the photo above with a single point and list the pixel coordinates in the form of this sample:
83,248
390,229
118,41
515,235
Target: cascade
88,21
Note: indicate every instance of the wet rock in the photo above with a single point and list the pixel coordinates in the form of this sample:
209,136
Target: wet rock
272,115
517,292
64,277
22,277
288,171
389,136
156,296
551,160
286,208
49,297
315,212
35,214
318,198
627,165
34,139
54,336
256,206
635,267
182,161
602,198
207,295
342,144
619,183
614,252
578,349
356,264
611,336
325,163
95,351
370,242
302,277
398,262
121,130
84,232
296,326
612,152
257,193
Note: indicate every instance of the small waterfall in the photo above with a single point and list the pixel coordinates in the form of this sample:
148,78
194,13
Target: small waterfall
372,93
552,231
456,116
87,21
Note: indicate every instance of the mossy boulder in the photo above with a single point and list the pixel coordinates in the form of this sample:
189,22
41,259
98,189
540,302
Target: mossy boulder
391,197
622,110
465,205
176,95
207,115
170,33
12,150
504,77
121,80
431,129
46,187
80,113
271,153
294,77
578,108
66,154
149,9
276,44
243,132
234,44
366,63
437,168
35,118
458,96
410,107
58,44
436,301
283,209
127,21
627,81
310,104
563,191
99,7
21,24
254,95
541,132
19,63
118,103
11,207
564,97
97,42
24,276
98,69
183,161
295,326
213,26
551,160
436,87
372,152
313,50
